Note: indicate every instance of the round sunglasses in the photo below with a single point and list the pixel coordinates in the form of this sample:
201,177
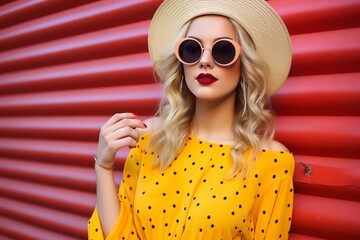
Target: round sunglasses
224,51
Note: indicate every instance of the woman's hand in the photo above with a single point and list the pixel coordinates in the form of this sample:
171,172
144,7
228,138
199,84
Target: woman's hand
119,131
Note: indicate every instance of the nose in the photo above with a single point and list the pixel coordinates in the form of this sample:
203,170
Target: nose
206,59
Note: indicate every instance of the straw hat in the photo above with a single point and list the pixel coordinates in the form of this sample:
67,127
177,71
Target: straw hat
257,17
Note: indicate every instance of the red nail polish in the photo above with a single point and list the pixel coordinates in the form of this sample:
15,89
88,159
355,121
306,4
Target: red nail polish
145,125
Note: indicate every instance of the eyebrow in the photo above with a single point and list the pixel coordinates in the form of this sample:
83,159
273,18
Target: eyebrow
214,39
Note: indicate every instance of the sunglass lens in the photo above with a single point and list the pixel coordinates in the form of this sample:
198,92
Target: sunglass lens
223,52
190,51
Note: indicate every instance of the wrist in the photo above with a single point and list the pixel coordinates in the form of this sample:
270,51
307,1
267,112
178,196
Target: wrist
103,166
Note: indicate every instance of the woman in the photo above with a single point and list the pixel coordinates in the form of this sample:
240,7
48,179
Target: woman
206,167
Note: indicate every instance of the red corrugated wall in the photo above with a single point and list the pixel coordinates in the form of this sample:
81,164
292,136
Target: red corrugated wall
67,66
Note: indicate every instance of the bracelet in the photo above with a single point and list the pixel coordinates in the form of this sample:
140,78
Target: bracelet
98,163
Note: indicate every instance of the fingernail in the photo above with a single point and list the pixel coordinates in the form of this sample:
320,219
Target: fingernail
136,114
145,125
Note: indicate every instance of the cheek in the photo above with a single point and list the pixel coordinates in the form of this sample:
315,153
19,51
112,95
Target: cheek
232,74
187,70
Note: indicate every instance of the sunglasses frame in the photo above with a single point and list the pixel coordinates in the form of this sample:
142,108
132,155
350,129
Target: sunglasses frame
234,43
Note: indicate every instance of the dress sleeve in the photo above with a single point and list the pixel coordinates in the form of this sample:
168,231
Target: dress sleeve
125,227
274,217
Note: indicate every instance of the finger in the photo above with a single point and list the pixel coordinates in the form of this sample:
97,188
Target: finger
117,117
126,122
123,142
124,133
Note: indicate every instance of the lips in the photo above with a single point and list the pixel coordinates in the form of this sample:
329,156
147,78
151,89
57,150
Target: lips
206,78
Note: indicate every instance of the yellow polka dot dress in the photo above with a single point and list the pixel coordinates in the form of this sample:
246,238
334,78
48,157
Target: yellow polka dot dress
193,200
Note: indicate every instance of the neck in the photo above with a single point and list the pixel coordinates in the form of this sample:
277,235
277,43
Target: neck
213,120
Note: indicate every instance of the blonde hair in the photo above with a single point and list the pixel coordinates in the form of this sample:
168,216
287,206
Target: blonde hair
252,122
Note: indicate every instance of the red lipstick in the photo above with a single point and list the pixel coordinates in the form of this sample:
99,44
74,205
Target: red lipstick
206,78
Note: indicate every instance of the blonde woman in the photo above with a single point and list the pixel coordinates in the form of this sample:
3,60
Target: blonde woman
207,166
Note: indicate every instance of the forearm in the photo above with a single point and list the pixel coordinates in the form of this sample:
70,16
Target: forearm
108,205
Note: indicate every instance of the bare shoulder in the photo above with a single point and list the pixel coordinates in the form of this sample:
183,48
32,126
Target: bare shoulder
153,124
274,146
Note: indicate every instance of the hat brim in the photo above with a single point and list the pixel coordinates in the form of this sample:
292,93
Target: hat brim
258,18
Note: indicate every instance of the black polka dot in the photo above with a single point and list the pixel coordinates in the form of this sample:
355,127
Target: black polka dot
208,217
212,226
275,160
256,175
286,171
276,221
264,212
274,176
